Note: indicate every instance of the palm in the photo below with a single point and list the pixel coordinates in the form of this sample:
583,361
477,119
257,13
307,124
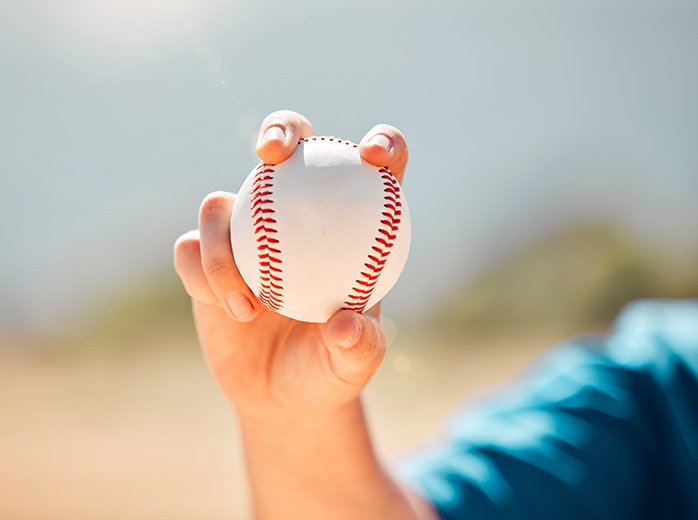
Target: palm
271,362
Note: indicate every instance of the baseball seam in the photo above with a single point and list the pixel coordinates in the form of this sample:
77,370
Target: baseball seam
326,138
268,249
384,241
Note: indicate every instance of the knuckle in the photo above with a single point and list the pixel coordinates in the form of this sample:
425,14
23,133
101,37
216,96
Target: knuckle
279,115
216,266
215,203
293,127
286,114
369,344
306,126
395,135
398,138
187,242
186,249
359,364
287,119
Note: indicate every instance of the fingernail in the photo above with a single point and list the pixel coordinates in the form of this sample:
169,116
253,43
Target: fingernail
240,305
383,141
352,336
274,133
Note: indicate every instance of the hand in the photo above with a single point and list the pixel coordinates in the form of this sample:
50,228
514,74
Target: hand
265,363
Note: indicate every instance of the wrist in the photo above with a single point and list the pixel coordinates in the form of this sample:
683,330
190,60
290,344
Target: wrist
316,406
300,465
294,435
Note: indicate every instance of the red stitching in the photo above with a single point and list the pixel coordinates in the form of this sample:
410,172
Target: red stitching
268,252
324,137
270,284
385,238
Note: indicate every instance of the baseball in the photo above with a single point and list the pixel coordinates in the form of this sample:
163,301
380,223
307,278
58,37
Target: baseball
321,231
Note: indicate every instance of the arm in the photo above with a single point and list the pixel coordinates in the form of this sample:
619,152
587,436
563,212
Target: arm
600,428
568,436
322,467
295,386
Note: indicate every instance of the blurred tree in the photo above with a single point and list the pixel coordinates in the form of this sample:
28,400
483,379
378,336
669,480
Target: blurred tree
572,281
152,310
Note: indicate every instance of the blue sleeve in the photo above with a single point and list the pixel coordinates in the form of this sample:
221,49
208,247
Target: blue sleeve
600,428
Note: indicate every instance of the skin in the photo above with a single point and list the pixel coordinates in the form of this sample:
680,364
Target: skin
295,386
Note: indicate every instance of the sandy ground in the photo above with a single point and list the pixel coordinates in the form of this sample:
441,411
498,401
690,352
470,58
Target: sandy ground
149,436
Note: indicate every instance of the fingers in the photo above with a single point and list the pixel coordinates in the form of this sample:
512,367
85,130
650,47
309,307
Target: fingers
279,135
356,345
384,145
187,261
217,260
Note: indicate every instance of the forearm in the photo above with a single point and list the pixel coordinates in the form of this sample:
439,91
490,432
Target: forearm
320,466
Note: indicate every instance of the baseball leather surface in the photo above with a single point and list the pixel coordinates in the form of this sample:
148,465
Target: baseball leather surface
321,231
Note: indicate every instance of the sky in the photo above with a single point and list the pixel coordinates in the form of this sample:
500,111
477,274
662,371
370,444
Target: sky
118,116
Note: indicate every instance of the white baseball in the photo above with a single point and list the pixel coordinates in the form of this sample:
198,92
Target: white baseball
321,231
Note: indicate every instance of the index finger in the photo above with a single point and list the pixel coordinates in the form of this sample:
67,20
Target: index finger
385,145
279,135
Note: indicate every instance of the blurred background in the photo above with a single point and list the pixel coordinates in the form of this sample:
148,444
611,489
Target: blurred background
553,178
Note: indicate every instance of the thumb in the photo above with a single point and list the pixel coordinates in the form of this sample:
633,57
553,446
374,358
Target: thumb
356,345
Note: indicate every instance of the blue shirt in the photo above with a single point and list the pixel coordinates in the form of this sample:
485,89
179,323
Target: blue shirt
601,428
